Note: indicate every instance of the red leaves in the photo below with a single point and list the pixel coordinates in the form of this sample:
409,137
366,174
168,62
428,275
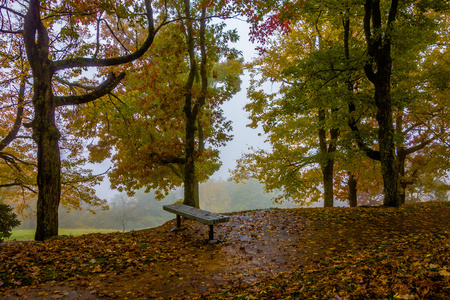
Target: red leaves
269,17
273,23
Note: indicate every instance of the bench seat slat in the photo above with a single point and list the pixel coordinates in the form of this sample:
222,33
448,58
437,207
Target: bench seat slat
197,214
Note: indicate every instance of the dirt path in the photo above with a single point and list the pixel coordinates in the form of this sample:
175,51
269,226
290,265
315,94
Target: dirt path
255,246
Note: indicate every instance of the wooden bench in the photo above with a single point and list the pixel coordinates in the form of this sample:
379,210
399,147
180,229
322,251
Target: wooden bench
196,214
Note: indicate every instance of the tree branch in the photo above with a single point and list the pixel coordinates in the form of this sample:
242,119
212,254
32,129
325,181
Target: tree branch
94,62
18,122
12,11
368,68
106,87
12,159
167,160
87,179
11,31
74,84
372,154
18,184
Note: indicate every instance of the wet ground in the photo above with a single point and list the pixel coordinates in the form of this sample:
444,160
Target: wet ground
254,246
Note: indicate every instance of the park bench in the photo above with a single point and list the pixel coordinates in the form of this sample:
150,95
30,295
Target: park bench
196,214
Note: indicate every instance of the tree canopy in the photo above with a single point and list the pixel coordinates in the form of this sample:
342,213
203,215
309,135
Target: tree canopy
359,100
325,110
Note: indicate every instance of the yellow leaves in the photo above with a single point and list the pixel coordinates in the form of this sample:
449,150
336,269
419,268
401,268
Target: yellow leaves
327,259
404,297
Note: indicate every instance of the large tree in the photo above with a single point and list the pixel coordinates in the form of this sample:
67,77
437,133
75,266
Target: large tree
389,63
58,45
304,119
162,129
385,28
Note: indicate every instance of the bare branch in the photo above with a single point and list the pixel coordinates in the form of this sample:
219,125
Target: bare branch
18,122
18,184
12,11
74,84
115,37
87,179
419,146
106,87
94,62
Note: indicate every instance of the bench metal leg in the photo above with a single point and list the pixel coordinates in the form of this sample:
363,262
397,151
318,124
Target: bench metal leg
211,232
178,227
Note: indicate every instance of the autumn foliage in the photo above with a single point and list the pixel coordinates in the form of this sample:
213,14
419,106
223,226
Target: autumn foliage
313,253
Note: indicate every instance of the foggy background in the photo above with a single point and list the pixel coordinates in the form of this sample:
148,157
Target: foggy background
218,194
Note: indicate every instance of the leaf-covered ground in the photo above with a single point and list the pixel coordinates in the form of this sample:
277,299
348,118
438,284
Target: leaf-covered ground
338,253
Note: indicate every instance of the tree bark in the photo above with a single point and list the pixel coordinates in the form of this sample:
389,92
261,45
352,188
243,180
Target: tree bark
352,190
46,136
191,109
379,51
45,131
327,162
190,176
389,167
189,167
401,157
327,173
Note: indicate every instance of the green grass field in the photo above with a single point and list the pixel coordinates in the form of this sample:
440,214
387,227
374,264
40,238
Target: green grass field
28,234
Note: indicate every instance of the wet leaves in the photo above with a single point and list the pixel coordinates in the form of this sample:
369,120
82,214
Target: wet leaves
298,253
367,253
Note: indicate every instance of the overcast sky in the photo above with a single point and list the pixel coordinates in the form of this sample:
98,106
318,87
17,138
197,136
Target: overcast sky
244,137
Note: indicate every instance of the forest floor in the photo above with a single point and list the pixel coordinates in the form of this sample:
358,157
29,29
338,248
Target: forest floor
312,253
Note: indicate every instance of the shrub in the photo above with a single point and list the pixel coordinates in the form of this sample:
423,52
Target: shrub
8,220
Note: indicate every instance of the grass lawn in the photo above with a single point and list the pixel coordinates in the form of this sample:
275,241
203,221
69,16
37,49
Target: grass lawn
28,234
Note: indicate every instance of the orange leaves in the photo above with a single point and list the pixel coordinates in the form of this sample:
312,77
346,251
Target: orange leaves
365,253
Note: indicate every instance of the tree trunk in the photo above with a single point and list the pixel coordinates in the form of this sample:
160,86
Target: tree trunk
352,190
327,162
327,173
191,116
45,133
189,176
389,168
197,194
379,51
46,136
192,108
401,157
